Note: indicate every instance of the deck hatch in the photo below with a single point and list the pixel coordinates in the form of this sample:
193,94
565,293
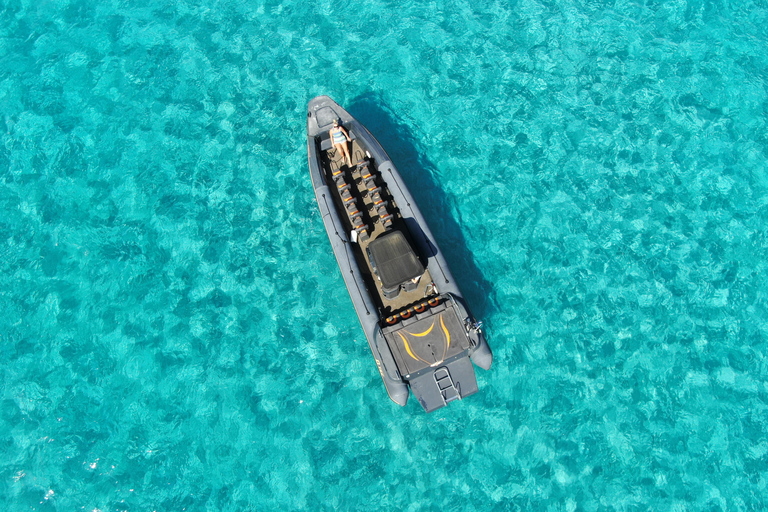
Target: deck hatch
325,116
427,342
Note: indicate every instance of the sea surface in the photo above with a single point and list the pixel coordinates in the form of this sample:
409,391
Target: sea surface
175,334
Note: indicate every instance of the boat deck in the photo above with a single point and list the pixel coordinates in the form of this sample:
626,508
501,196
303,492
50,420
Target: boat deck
376,224
421,340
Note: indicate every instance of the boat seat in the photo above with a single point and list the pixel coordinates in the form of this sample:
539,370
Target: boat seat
362,234
385,217
365,172
326,143
358,223
391,293
337,174
386,220
351,206
342,185
409,286
352,209
358,167
357,220
370,183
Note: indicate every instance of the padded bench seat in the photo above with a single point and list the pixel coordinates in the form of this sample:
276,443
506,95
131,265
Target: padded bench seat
325,140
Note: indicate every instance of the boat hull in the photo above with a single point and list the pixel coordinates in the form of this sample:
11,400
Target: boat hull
357,276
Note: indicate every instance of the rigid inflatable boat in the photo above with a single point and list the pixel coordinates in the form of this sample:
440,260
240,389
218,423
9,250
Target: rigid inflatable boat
417,323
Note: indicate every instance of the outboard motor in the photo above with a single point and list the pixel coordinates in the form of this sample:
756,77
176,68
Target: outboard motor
470,325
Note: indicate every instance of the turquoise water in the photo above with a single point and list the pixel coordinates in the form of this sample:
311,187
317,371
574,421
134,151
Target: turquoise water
175,334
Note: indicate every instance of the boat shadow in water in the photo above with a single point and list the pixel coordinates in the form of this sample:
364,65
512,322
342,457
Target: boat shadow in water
417,173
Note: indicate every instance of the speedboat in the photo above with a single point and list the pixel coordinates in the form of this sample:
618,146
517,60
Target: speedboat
419,327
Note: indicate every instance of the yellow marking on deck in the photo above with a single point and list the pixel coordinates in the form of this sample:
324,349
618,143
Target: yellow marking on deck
423,333
408,349
446,345
447,334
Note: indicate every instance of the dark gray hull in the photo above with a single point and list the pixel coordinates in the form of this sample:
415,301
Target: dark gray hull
434,362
